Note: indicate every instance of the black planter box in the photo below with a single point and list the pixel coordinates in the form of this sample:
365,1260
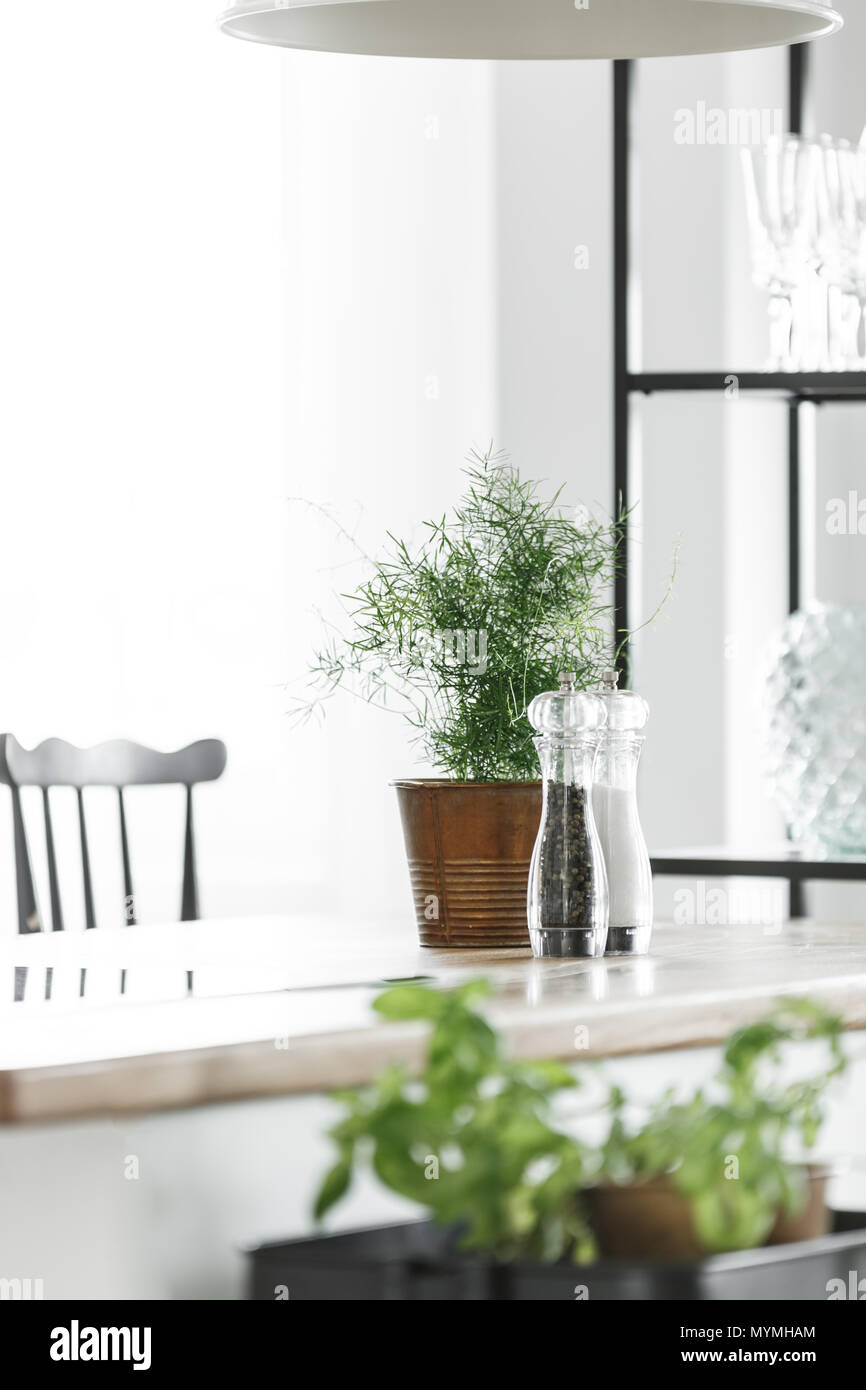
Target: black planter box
420,1262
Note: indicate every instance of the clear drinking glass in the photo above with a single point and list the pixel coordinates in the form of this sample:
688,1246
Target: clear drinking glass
567,896
851,166
780,182
837,236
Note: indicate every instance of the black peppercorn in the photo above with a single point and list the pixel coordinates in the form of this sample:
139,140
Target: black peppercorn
567,888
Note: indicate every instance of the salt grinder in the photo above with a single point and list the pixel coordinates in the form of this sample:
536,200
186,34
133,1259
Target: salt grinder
614,799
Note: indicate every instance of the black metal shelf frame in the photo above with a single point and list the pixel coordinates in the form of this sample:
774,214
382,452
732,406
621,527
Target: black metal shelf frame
728,863
796,389
816,387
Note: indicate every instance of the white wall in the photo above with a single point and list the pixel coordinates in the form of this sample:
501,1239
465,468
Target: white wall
233,278
142,557
391,345
553,190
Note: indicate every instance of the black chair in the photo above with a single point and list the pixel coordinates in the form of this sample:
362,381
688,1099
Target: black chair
119,764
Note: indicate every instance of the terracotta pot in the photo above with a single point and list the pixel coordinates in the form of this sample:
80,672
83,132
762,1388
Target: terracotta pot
643,1221
813,1221
652,1221
469,845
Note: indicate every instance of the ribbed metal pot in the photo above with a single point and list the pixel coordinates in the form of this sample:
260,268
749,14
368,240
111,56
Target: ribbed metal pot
469,845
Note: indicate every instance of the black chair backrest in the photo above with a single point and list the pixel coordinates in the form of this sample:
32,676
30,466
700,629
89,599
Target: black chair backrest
118,764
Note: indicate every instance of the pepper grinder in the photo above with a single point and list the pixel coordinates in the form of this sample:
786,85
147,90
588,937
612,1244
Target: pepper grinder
614,798
567,892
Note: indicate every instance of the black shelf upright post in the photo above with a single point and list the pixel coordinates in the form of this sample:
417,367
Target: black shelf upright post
798,68
622,500
798,74
799,389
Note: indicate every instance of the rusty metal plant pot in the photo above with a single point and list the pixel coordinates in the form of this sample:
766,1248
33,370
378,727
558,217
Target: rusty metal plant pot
469,845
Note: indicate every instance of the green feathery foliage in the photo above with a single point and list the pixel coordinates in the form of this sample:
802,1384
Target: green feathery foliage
461,631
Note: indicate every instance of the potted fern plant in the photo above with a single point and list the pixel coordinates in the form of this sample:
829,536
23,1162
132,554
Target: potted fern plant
459,632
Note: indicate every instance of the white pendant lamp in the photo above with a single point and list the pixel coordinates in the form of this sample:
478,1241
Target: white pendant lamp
529,28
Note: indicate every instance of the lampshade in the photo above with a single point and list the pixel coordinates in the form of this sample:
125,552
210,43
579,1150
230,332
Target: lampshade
529,28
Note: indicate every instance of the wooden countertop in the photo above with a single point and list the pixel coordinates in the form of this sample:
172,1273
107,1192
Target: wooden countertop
282,1006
